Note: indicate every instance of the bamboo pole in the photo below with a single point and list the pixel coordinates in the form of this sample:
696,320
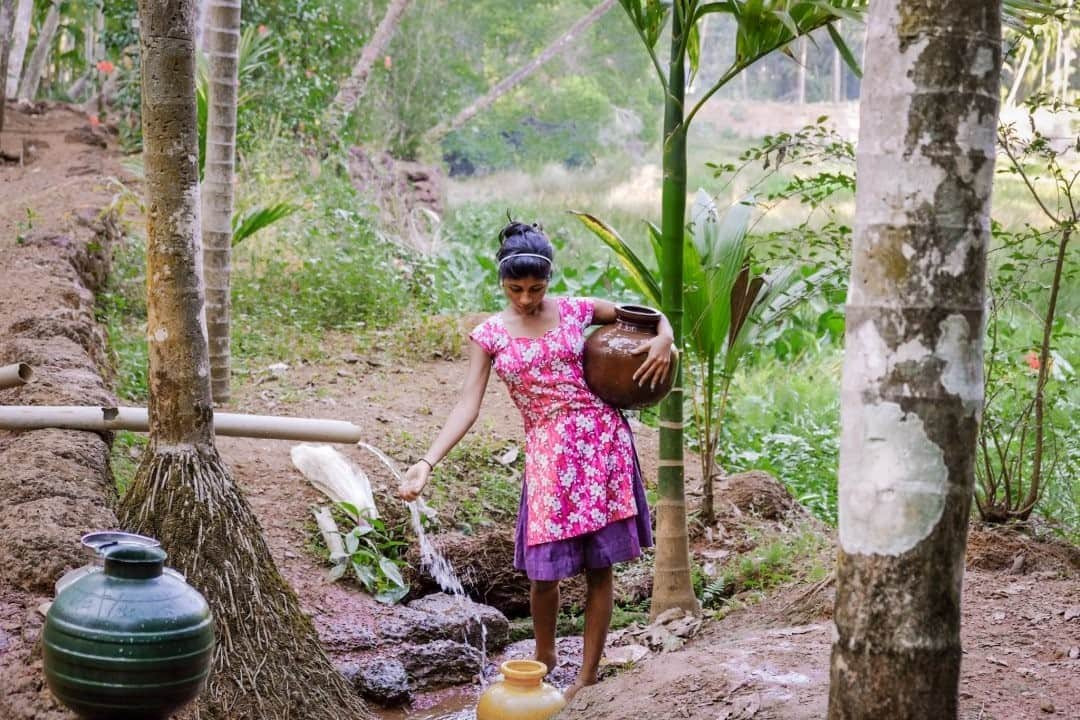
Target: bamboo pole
15,375
98,419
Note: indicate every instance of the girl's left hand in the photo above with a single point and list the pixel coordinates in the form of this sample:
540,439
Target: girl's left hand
657,366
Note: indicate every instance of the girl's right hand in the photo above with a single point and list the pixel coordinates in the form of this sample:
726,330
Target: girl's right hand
413,483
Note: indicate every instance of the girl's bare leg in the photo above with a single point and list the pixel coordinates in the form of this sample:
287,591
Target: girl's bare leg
544,603
598,603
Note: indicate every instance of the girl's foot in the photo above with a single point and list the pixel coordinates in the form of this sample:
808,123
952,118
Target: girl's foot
550,660
574,689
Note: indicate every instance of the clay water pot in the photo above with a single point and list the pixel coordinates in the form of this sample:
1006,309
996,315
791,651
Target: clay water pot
131,642
609,366
522,694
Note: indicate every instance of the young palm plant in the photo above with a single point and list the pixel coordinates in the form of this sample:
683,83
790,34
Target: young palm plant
727,306
763,26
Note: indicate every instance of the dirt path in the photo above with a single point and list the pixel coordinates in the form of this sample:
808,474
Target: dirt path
1016,638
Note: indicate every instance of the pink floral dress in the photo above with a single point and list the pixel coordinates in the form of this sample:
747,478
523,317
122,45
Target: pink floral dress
579,456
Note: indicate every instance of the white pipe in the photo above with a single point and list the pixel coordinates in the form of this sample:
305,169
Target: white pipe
37,417
15,375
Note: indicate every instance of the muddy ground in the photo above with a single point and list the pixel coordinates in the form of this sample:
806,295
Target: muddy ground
767,659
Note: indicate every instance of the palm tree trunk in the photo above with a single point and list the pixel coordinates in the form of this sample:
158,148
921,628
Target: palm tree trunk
31,80
353,87
1021,70
672,586
268,662
222,37
517,77
837,73
801,80
7,12
912,387
20,37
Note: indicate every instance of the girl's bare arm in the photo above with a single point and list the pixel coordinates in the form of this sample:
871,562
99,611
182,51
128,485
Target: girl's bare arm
458,422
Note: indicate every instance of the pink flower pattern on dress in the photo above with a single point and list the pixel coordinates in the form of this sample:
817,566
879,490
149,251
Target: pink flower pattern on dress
579,463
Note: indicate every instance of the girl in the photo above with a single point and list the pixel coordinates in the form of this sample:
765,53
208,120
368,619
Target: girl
583,503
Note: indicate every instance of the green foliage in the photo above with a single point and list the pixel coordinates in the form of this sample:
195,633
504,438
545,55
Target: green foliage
127,448
121,309
1027,437
784,418
374,555
773,564
259,218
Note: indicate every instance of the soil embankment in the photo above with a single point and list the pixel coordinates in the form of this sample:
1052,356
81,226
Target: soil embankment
55,233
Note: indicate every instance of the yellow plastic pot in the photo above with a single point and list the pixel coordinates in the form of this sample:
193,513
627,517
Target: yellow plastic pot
522,694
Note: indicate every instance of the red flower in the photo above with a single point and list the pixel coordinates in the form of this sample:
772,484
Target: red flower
105,66
263,30
1032,360
387,62
94,121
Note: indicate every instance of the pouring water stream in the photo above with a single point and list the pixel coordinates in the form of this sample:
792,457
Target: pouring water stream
436,563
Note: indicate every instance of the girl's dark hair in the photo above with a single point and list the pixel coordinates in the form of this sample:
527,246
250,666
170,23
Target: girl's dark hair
518,238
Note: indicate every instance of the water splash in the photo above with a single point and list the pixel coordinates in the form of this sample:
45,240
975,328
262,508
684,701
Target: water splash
437,565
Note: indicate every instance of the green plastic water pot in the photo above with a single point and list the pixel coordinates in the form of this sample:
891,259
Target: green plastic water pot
129,643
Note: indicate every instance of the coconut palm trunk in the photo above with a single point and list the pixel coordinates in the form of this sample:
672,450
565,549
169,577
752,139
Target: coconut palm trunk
35,69
672,586
912,387
268,662
222,37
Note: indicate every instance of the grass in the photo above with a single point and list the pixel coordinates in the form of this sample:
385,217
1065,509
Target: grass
779,561
124,456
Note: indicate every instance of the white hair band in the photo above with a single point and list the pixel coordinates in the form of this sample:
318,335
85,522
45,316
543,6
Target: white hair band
525,255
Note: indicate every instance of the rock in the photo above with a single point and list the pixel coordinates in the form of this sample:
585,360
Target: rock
1047,707
382,681
444,617
440,663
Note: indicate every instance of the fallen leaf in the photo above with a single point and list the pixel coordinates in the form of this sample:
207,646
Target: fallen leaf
992,659
1073,612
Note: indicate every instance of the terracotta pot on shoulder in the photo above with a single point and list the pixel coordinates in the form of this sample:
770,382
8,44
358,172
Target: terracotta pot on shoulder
610,367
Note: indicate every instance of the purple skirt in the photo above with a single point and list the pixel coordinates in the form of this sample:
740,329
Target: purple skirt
618,542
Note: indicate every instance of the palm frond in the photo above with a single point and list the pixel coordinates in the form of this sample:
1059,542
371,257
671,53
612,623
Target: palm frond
258,218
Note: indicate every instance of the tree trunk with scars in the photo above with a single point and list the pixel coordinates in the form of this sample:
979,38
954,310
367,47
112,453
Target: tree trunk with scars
352,88
672,586
222,37
268,662
517,77
31,80
912,387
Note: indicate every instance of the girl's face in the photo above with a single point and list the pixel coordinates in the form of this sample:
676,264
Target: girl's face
526,294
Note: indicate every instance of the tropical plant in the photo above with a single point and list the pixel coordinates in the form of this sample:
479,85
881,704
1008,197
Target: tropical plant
728,304
1018,453
373,555
763,26
246,224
